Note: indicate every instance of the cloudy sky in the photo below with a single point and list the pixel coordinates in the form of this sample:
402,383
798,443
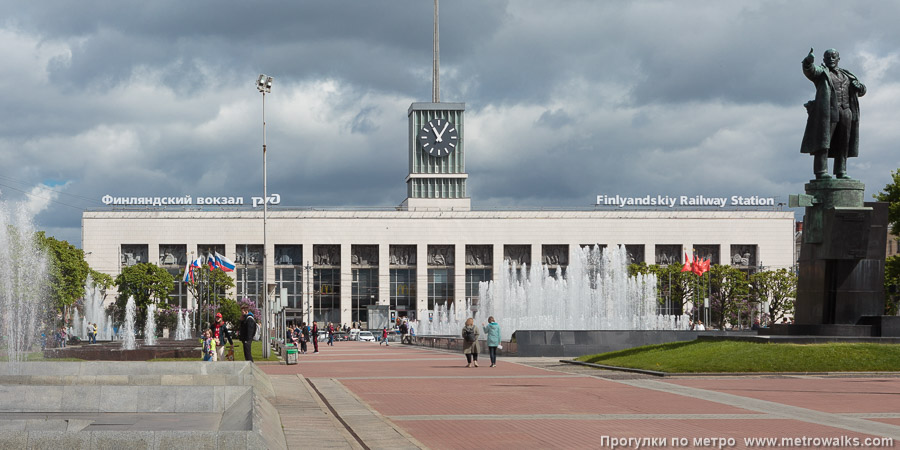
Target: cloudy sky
565,100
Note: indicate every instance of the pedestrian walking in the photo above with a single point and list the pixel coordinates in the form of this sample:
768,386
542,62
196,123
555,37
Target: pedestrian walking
384,337
330,334
94,336
470,342
492,331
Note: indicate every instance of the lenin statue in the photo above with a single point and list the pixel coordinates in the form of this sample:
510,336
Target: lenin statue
832,128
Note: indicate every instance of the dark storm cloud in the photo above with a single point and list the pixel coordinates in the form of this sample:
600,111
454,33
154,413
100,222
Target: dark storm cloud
565,99
367,43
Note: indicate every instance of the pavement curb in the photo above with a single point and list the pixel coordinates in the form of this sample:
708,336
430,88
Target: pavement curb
729,374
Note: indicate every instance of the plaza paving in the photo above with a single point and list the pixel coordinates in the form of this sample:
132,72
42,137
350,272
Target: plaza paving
362,395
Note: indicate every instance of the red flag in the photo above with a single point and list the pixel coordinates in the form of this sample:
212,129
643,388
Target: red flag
697,266
687,263
705,265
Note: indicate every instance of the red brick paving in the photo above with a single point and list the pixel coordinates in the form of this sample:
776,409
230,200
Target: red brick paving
438,384
581,395
834,395
578,434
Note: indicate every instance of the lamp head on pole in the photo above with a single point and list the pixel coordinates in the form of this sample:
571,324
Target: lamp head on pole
264,84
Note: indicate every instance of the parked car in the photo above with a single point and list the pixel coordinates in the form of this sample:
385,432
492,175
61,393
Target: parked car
354,334
366,336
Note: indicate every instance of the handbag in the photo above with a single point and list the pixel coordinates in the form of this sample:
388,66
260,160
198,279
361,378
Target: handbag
499,346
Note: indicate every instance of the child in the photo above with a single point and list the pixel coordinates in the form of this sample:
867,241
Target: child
209,346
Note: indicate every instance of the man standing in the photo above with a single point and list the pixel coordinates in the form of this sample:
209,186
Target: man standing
315,336
220,333
832,128
248,331
404,332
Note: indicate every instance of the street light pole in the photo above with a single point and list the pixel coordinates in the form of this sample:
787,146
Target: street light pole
308,268
264,85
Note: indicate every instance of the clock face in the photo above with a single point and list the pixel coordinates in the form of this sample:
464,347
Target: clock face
438,137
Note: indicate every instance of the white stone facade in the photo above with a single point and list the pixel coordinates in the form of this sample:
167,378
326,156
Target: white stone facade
104,232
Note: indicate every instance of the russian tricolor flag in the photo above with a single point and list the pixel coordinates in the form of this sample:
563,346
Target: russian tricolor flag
188,273
224,263
211,262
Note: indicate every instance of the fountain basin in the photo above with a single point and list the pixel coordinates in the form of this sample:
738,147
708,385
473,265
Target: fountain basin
113,351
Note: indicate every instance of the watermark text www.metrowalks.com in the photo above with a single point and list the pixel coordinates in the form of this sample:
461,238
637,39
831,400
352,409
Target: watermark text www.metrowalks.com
614,442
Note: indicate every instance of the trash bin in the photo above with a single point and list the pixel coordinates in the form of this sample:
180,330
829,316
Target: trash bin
291,356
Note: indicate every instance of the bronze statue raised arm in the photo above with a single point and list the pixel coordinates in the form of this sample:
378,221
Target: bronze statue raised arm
832,128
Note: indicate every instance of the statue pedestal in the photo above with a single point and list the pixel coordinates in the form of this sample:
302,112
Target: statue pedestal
841,266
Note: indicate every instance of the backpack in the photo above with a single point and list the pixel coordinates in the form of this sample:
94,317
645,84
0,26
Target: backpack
469,334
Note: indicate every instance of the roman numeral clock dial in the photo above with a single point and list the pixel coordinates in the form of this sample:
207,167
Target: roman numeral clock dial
438,137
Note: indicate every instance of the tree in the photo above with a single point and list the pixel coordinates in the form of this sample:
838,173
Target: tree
674,287
146,282
729,295
211,288
891,194
68,270
778,288
891,284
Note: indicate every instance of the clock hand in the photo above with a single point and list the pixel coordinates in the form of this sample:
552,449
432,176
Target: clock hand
436,134
439,135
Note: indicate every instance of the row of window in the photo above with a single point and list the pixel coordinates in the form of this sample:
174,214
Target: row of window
438,255
321,298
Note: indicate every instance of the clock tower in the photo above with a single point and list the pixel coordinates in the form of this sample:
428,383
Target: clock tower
437,158
437,150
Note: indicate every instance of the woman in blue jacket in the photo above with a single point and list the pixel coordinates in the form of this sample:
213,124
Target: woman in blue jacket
492,331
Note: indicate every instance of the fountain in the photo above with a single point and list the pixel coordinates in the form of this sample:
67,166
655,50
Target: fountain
127,334
24,269
596,293
150,326
183,327
94,312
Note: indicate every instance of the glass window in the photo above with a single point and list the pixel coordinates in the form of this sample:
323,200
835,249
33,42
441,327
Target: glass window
249,283
289,273
364,292
403,291
178,296
440,287
327,295
473,277
291,280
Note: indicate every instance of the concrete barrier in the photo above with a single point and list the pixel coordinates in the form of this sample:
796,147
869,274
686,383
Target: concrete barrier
137,405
